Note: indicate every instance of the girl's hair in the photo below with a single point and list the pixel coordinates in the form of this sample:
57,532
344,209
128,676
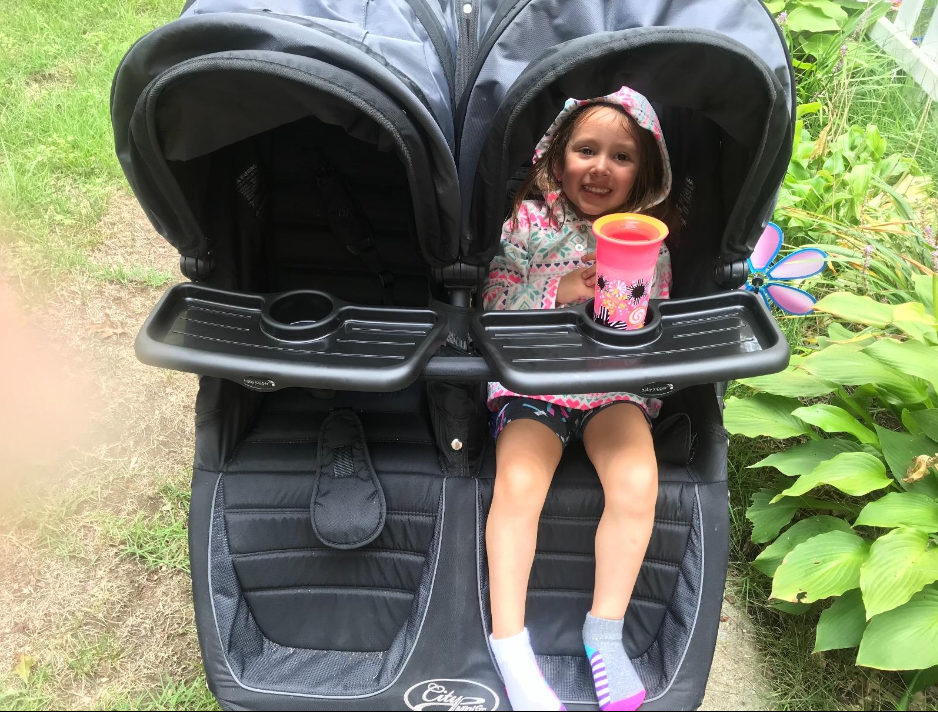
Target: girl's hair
542,178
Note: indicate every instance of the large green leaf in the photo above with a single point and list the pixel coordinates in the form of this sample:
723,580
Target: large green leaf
901,509
909,357
843,365
768,519
763,414
875,141
910,425
829,8
841,625
905,638
817,45
856,309
913,320
855,473
791,382
770,559
900,449
927,420
833,419
824,565
838,332
900,564
802,459
924,291
810,19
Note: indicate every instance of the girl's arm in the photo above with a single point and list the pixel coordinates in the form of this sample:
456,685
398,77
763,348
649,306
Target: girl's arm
509,285
661,282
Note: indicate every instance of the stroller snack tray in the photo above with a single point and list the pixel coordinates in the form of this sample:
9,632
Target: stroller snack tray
299,338
684,342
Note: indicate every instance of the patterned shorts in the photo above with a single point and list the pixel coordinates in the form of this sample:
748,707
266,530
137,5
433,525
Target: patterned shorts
565,422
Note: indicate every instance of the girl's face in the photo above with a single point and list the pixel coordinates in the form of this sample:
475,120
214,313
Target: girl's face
600,163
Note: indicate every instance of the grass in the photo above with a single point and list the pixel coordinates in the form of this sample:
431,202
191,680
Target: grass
171,695
872,89
160,540
905,116
92,652
36,693
78,536
57,162
31,694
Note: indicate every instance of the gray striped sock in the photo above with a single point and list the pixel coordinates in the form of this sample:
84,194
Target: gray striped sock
618,686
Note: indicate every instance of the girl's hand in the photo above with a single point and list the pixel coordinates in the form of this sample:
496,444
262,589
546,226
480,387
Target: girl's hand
578,285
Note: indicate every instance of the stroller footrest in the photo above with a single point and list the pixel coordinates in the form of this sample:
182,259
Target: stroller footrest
684,342
348,508
300,338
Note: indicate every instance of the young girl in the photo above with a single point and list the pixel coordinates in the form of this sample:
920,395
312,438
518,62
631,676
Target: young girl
599,156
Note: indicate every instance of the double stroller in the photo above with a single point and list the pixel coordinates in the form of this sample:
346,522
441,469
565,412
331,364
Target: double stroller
334,175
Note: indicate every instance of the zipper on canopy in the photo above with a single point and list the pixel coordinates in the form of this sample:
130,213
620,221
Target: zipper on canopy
468,22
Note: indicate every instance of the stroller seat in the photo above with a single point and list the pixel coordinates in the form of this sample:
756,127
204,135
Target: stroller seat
677,597
335,176
321,620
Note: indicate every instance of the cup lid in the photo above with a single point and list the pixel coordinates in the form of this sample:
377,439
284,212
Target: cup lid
649,230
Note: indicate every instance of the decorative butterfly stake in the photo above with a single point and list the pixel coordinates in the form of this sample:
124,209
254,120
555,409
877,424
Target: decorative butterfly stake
800,264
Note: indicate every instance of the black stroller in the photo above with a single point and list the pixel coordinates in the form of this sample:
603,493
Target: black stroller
334,176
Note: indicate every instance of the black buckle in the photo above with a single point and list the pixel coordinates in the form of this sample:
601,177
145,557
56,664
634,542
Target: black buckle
366,244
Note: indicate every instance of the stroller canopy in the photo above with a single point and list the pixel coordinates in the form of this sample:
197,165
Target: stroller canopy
231,69
719,63
440,84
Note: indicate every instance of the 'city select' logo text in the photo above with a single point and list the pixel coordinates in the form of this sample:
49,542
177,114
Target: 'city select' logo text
450,695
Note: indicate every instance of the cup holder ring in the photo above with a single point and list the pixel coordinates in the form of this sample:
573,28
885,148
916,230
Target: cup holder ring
301,315
623,337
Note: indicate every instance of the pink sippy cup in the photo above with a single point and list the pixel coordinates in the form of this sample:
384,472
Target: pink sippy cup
627,247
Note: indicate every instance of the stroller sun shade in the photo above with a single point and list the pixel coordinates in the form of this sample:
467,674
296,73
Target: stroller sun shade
334,174
269,70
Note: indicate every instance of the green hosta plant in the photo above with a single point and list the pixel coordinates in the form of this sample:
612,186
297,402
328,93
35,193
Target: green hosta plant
860,483
809,16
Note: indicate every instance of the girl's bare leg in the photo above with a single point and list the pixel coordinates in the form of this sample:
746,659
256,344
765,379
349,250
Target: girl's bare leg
618,442
526,454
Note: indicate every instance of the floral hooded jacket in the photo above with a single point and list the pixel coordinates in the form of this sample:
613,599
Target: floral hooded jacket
533,258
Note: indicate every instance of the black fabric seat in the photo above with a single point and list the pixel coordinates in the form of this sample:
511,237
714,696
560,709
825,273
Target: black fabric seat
363,613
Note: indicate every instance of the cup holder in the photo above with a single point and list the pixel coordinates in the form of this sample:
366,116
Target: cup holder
623,337
297,316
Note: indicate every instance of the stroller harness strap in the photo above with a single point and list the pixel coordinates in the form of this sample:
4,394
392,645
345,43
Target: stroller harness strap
348,222
348,507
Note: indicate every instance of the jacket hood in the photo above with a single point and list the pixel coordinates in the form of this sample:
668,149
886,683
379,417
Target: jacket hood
639,108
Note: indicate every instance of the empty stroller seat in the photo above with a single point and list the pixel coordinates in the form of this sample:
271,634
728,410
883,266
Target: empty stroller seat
334,176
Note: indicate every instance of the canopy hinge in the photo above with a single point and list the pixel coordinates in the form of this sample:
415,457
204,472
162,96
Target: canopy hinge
196,269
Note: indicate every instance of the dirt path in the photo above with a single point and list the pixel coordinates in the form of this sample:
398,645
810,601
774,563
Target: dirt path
736,680
93,442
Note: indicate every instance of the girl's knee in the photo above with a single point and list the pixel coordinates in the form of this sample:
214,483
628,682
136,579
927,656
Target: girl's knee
632,489
518,486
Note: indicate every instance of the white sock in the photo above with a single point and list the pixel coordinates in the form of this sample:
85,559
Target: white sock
527,689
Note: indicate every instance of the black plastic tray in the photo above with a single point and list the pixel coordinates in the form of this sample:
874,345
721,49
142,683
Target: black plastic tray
684,342
301,338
